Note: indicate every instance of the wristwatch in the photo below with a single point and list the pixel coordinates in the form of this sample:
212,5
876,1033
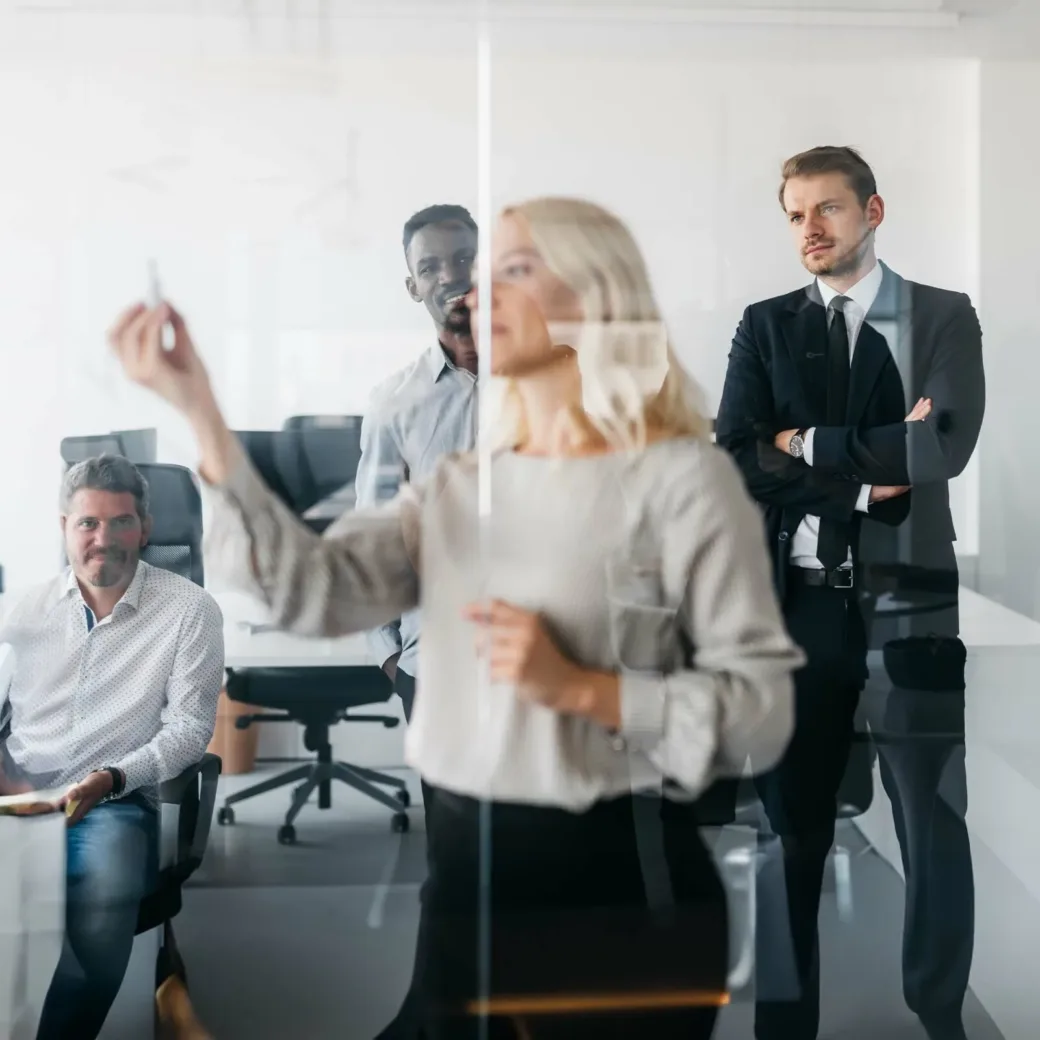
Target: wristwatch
797,445
118,783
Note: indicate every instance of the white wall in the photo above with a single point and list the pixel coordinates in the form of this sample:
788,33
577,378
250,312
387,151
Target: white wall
690,155
273,200
271,187
1009,557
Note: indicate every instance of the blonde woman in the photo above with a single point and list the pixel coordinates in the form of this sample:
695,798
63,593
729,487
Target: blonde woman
610,631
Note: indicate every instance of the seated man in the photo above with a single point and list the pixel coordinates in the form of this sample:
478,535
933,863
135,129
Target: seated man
118,666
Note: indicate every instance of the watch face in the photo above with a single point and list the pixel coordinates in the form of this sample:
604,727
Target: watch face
797,446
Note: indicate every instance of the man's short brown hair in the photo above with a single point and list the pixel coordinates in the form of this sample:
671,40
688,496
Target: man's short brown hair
832,159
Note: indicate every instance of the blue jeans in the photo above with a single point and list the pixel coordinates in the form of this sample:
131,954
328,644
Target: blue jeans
112,862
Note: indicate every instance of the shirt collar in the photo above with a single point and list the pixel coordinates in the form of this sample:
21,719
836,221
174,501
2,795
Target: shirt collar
438,362
863,293
132,596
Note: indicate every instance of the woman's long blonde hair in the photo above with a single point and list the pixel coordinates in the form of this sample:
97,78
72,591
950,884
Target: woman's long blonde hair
631,378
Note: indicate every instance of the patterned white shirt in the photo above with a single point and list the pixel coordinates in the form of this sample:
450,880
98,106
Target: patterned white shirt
137,690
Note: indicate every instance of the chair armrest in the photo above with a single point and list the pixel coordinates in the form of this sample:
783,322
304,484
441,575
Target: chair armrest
195,792
171,792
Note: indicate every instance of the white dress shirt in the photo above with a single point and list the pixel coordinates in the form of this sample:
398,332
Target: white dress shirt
136,690
860,299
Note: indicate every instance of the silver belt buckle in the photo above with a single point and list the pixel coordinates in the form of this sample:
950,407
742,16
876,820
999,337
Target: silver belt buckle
843,578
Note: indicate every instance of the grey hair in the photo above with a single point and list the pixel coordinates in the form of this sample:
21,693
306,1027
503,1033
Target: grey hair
106,473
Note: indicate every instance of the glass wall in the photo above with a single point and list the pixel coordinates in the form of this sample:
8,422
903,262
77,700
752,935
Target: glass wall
267,158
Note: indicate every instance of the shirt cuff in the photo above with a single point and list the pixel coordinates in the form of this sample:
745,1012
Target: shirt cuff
140,769
382,646
643,697
807,444
863,502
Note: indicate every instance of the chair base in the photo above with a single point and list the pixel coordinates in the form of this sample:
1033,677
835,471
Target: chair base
319,775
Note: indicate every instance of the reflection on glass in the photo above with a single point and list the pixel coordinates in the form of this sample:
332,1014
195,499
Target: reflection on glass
267,157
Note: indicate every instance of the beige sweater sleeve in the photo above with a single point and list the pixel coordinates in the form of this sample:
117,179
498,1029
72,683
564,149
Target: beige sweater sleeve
736,702
361,574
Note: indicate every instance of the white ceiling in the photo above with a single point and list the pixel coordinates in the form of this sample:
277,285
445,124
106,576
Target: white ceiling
323,8
703,28
303,8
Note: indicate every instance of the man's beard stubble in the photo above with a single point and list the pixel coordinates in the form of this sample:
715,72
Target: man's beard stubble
844,263
111,571
459,321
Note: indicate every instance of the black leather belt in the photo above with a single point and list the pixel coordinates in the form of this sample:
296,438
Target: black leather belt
841,578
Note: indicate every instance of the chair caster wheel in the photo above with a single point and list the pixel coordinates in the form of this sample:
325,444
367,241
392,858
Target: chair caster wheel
403,797
287,835
225,816
399,823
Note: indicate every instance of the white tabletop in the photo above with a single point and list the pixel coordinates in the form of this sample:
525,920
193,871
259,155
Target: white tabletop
250,642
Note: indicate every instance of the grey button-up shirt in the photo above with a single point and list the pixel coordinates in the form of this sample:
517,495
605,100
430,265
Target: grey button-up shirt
421,413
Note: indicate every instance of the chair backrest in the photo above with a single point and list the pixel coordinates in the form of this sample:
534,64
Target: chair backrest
266,451
175,543
79,449
332,446
332,455
305,465
139,445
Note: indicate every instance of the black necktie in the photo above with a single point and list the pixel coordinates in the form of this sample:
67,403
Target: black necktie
833,547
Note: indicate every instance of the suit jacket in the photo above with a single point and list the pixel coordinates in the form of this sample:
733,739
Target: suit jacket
777,380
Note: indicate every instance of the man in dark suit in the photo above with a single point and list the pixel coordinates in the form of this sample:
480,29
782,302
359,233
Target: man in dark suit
848,405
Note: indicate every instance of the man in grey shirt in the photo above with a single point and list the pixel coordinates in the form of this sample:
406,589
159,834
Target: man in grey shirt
427,409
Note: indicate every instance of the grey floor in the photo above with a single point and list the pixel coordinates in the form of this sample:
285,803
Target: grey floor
315,940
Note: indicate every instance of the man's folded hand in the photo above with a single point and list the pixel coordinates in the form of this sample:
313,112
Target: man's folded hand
883,492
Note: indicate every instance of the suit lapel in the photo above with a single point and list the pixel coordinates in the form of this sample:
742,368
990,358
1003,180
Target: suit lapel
868,362
804,331
873,351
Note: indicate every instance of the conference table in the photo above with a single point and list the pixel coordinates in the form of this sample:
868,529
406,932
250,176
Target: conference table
250,641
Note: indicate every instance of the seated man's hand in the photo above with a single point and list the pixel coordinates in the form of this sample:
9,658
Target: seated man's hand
80,798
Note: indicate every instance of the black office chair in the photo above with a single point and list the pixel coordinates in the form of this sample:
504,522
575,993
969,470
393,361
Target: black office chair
139,445
302,466
317,698
175,542
175,545
330,450
79,449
